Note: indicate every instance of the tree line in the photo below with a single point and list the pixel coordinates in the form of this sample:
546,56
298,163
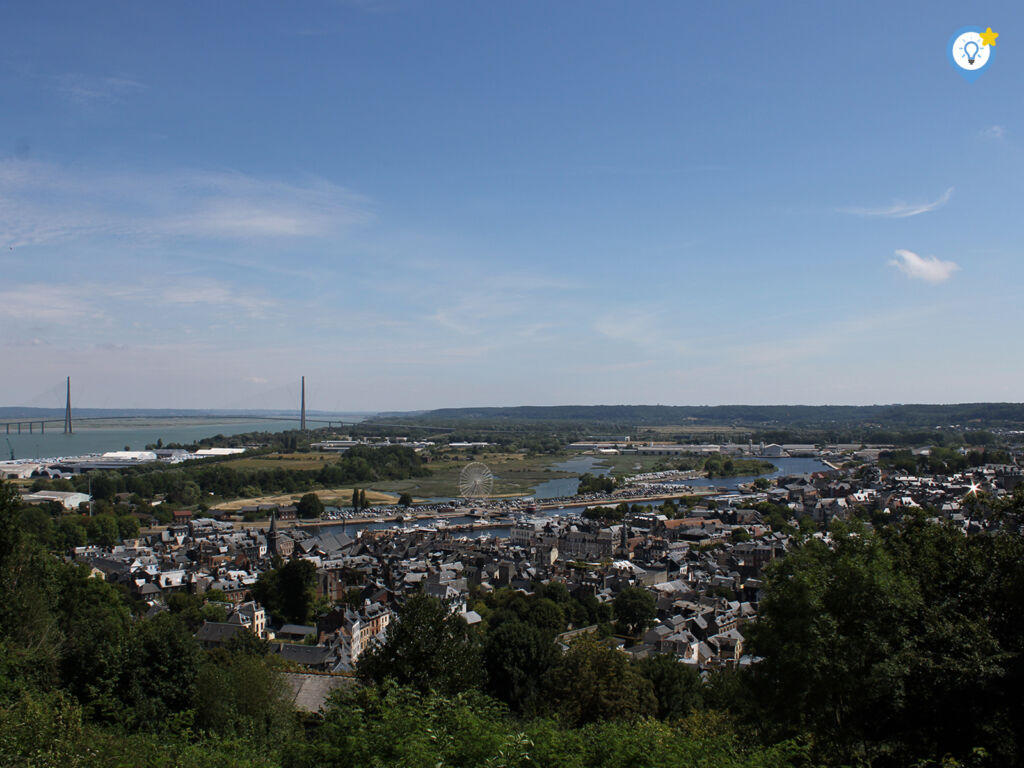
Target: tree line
897,417
187,484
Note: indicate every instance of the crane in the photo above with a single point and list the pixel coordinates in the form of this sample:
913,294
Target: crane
11,447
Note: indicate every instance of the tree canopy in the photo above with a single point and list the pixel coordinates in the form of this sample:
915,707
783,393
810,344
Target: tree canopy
427,647
878,643
288,591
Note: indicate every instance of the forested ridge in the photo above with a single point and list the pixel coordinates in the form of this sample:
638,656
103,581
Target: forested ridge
784,416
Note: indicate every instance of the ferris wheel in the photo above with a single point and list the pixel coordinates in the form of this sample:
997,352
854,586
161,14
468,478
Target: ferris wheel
476,481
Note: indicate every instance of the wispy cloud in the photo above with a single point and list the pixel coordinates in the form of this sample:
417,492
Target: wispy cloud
927,268
43,202
212,293
637,329
234,205
85,89
994,132
900,209
496,306
45,303
72,305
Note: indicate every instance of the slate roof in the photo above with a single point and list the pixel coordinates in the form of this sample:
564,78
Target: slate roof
218,632
307,655
311,691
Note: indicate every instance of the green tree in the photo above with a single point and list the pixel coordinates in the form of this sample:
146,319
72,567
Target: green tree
593,681
546,615
194,610
69,532
37,522
297,590
553,590
127,527
104,485
247,643
289,591
517,660
427,647
677,686
158,673
589,483
634,609
240,694
739,534
94,621
369,727
29,585
102,529
310,507
49,730
405,500
875,643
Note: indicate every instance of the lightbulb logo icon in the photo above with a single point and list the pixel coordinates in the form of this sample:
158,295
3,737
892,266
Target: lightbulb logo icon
972,55
971,50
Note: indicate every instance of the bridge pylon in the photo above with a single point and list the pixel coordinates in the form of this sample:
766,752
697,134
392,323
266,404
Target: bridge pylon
68,427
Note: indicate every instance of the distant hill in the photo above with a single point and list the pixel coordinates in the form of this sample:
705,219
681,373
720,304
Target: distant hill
963,415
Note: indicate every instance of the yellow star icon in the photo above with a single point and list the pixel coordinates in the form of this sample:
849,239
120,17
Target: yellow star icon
988,37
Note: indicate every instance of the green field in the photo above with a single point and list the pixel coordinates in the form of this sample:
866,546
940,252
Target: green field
515,474
631,464
283,461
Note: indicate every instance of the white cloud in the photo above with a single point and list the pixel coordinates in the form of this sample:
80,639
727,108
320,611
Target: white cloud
45,202
994,132
641,330
212,293
85,304
79,88
45,303
900,209
927,268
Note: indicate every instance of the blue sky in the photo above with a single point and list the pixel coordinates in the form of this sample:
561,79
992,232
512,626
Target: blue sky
423,203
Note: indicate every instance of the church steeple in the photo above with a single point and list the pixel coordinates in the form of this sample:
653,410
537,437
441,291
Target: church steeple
272,534
624,536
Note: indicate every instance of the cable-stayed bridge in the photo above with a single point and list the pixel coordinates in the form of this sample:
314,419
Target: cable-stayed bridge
49,417
30,423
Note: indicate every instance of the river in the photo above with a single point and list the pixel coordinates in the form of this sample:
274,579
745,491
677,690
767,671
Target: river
789,465
85,440
566,486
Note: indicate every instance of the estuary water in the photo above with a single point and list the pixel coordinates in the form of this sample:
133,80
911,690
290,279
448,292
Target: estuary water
135,434
789,465
566,486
